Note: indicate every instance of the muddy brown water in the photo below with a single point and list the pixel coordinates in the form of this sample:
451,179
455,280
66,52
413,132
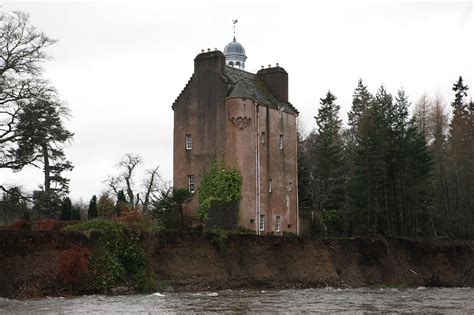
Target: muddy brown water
329,300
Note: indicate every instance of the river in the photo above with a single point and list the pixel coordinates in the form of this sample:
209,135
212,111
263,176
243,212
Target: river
331,300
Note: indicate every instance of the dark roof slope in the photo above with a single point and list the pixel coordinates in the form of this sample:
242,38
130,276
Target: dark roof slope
248,85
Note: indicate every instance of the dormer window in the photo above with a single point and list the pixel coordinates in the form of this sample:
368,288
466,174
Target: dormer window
189,142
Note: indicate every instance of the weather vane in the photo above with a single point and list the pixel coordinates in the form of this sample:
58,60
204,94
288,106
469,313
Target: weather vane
234,22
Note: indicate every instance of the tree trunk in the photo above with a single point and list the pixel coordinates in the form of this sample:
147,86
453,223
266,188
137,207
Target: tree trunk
46,169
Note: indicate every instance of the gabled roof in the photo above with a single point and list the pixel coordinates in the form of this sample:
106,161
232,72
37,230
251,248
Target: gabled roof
248,85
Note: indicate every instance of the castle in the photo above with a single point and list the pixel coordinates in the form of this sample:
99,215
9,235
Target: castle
244,120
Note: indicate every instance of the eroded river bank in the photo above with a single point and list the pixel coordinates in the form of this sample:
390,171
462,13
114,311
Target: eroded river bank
184,262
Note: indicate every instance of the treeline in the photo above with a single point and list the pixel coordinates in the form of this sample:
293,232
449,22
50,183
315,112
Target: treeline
389,172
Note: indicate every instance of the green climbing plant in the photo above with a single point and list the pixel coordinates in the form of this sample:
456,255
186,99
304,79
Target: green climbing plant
219,185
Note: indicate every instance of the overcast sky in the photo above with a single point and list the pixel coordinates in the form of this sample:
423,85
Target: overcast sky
119,65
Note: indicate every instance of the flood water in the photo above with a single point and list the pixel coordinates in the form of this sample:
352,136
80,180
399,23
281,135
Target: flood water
331,300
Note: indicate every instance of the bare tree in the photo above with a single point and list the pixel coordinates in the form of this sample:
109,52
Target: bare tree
152,186
422,109
128,167
128,164
22,51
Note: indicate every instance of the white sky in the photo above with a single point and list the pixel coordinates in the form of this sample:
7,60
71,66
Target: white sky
119,65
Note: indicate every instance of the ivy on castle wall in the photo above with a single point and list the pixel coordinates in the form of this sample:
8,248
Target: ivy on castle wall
219,185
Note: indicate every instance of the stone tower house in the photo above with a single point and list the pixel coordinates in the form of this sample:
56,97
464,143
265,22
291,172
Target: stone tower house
226,114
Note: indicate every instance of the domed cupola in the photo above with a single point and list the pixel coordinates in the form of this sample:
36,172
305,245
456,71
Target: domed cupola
234,53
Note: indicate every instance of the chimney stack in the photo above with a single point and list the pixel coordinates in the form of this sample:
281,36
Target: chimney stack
210,61
276,81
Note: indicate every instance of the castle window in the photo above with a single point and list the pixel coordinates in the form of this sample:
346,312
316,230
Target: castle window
263,137
191,184
261,223
280,143
189,142
277,223
270,185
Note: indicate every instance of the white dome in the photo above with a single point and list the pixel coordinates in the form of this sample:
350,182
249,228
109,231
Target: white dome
234,54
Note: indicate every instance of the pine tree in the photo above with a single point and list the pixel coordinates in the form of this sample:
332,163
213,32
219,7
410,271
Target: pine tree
121,204
439,183
359,199
42,136
92,210
66,209
361,100
462,170
329,156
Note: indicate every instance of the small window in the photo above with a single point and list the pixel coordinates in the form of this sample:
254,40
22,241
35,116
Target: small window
270,185
289,185
191,184
277,223
263,138
280,112
280,143
189,142
261,225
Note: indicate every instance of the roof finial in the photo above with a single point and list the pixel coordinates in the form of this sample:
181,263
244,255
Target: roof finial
234,22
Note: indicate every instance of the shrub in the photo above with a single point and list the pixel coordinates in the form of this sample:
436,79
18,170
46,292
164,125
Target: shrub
52,225
220,185
73,264
48,225
118,251
333,222
20,225
168,210
137,221
143,282
105,206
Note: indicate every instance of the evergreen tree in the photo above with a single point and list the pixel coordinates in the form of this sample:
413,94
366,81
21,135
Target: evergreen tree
42,138
12,205
168,207
439,183
329,160
66,209
360,198
361,100
121,205
92,210
462,166
76,213
46,205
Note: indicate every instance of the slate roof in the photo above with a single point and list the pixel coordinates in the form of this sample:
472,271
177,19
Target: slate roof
248,85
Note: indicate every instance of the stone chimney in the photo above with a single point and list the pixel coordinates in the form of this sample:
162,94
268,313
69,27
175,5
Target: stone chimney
208,62
276,81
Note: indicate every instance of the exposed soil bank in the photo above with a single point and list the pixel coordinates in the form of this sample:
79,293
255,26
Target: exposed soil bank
29,262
